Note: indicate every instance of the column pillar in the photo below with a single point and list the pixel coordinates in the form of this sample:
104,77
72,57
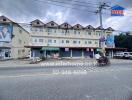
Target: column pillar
82,53
93,53
33,55
71,53
112,54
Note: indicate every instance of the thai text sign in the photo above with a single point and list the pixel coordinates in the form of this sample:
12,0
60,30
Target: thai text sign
117,11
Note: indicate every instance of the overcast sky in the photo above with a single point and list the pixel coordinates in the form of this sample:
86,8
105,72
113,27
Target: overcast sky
29,10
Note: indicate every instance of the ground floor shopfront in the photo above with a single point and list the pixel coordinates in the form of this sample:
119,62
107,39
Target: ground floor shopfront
56,52
63,52
13,53
110,52
5,53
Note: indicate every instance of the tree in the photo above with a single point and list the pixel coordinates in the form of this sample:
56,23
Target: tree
124,41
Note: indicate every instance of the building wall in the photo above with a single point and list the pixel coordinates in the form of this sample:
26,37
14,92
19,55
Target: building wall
19,40
61,38
81,42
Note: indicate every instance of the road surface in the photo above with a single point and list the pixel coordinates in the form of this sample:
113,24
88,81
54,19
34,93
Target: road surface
67,83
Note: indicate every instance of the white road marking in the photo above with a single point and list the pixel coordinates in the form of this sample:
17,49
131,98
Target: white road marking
43,74
19,76
82,71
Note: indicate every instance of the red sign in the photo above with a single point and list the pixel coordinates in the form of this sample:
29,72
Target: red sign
117,12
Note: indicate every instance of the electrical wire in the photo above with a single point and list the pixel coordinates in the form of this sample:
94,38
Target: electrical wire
85,4
75,8
65,3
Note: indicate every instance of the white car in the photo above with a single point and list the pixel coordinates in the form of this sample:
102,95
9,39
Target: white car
127,55
119,55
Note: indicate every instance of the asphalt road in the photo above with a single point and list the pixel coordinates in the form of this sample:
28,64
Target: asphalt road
67,83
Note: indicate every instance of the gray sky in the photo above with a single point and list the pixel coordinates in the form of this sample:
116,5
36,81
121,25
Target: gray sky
28,10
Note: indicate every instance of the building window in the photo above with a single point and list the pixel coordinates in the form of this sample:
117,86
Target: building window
52,24
89,42
89,33
41,40
68,31
79,42
78,32
65,31
48,30
55,30
66,25
35,29
4,19
23,50
54,41
74,42
96,42
67,41
19,52
85,42
35,40
41,30
62,31
62,41
49,41
38,22
74,32
99,33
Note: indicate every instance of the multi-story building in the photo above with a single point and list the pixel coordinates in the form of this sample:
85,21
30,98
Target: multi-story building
66,40
13,38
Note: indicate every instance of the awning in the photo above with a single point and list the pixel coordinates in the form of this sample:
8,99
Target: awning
50,49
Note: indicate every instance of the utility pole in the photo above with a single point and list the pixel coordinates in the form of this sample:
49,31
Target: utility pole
101,7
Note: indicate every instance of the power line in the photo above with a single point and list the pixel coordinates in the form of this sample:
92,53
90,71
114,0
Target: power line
100,9
75,8
84,2
67,3
88,11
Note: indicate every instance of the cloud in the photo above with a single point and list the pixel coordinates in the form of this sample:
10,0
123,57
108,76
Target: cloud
120,23
71,12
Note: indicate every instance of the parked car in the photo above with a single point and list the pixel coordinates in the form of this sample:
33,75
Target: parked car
119,55
125,55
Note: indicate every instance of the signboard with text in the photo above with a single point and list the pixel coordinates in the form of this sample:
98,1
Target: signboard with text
66,49
117,11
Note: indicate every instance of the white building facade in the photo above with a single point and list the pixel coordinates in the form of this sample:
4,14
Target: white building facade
13,39
65,40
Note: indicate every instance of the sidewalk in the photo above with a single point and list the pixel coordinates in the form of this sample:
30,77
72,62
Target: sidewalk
54,63
26,63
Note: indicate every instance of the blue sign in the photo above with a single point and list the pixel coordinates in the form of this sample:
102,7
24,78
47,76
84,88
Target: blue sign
110,40
5,32
117,11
